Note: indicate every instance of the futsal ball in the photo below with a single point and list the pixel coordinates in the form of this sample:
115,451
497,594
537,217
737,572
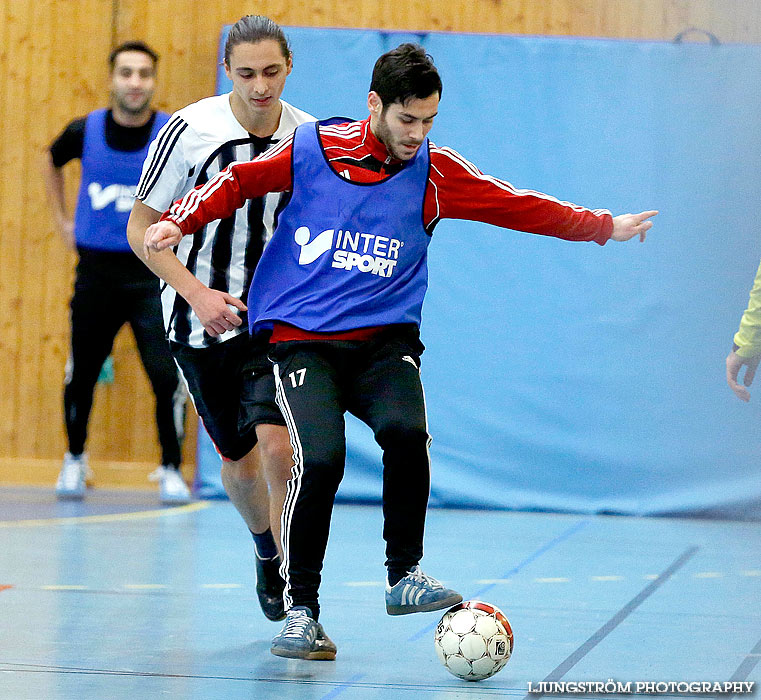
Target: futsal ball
474,640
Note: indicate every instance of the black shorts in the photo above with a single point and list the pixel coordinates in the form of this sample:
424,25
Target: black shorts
233,390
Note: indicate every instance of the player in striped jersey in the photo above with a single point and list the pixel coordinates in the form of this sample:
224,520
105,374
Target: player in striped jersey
208,276
342,283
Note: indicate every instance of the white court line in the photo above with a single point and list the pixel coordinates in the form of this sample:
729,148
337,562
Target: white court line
610,578
606,578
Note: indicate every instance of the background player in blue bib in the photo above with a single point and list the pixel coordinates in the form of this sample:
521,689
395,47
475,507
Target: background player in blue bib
112,286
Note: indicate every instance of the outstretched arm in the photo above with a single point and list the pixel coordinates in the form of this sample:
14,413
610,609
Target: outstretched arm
227,191
459,190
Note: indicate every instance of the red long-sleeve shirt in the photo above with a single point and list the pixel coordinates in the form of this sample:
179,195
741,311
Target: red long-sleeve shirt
457,189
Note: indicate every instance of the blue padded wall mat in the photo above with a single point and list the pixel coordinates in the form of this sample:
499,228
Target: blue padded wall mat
568,376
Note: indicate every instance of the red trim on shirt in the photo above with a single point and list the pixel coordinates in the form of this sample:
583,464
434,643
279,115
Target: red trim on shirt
282,332
457,189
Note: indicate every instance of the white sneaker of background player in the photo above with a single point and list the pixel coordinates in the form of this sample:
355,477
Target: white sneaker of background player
172,488
71,479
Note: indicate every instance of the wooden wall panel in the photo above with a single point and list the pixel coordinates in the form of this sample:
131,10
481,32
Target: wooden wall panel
188,45
44,86
53,68
9,254
53,63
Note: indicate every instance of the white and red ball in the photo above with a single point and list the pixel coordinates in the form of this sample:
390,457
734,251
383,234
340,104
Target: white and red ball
474,640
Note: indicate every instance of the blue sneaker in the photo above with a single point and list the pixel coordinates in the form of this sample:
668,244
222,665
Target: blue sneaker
71,479
417,592
303,638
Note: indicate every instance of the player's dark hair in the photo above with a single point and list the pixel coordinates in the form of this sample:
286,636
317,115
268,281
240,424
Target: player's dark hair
403,73
132,46
252,29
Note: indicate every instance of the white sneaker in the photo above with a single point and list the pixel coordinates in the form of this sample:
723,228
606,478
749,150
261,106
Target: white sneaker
172,489
71,479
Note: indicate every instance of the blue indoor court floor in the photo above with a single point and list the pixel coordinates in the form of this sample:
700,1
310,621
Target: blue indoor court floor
118,598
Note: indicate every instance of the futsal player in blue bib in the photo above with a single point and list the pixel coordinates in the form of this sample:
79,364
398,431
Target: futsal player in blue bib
341,284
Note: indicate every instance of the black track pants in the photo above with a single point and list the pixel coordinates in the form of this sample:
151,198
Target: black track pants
379,382
112,289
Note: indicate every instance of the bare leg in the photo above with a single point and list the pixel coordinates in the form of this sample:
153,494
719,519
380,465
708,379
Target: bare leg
246,487
246,480
276,456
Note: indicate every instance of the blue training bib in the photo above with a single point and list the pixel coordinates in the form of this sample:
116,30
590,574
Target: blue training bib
107,187
344,255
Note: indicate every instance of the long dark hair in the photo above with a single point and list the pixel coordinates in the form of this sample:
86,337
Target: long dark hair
252,29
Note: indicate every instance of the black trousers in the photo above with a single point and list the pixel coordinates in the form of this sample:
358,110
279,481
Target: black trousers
379,382
112,289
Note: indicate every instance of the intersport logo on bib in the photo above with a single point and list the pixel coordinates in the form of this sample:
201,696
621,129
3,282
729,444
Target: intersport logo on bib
122,196
367,252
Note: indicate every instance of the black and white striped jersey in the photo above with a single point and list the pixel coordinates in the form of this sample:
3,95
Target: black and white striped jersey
197,142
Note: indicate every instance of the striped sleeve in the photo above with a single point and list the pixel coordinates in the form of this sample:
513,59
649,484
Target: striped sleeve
459,190
748,337
161,150
230,188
